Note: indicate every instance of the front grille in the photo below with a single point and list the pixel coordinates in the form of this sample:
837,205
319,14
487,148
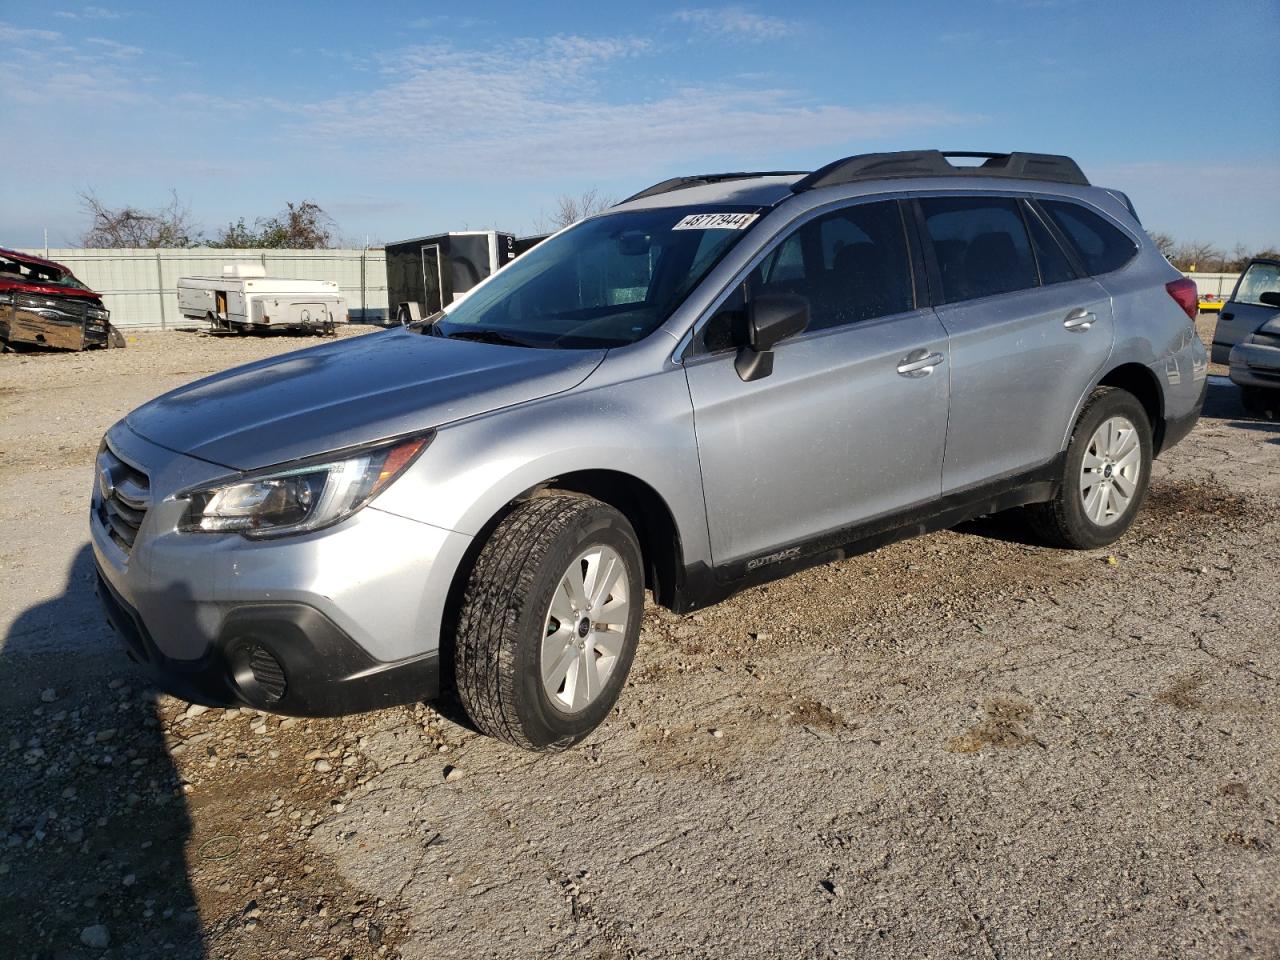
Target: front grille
124,494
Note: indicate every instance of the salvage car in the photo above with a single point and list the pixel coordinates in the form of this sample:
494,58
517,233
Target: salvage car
722,380
42,304
1248,333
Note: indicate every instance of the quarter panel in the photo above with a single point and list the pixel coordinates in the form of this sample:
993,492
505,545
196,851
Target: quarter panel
1152,330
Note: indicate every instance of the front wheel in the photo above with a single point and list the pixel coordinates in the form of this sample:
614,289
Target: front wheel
1105,477
549,622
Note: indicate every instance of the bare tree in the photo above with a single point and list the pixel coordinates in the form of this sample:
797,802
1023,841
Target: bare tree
1198,255
570,209
299,226
167,226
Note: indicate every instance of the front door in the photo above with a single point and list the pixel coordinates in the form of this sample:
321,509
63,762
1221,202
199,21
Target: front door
851,424
1245,312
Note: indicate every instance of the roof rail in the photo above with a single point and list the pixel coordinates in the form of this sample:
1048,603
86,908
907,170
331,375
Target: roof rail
934,163
697,180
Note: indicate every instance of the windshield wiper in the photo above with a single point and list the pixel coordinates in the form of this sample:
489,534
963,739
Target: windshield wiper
488,336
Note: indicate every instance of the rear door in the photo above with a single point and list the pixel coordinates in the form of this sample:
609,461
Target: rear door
1028,333
1245,312
844,429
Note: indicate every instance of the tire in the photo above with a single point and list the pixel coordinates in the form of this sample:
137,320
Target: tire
1261,402
115,339
510,603
1068,520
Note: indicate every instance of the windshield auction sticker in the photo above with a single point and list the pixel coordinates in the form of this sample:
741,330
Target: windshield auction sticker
716,221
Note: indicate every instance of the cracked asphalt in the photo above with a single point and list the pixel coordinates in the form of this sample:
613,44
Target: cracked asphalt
965,745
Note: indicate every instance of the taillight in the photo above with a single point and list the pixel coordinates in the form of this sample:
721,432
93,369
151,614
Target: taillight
1184,291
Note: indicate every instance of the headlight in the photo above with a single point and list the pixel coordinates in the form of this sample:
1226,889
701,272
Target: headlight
300,497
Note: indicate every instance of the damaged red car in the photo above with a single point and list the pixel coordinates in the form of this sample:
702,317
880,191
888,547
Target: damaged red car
42,304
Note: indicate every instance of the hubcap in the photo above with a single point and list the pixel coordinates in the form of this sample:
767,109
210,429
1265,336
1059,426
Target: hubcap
1110,471
585,628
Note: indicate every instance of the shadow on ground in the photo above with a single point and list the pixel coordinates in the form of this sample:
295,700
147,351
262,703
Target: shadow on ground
93,825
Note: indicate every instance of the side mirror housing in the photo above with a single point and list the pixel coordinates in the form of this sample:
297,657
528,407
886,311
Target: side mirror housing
770,319
1271,298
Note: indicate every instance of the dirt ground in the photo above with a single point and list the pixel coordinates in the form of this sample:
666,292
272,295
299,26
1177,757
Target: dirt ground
965,745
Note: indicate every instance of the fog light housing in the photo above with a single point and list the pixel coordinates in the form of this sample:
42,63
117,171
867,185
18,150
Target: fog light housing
257,675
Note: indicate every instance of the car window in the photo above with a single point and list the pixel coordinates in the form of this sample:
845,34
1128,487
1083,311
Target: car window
980,244
851,265
1102,247
1259,278
1052,261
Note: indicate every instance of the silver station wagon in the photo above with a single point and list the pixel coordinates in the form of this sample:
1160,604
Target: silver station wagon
721,380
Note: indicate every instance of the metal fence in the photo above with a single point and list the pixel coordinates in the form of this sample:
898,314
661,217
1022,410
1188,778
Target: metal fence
139,286
1214,284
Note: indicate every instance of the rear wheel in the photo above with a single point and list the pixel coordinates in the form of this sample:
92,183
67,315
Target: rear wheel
549,622
1105,477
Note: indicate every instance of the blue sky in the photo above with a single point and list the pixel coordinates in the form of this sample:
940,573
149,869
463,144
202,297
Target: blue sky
408,118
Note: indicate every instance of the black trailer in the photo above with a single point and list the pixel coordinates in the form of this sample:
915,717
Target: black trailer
426,274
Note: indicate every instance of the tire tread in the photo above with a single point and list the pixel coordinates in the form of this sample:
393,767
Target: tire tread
493,605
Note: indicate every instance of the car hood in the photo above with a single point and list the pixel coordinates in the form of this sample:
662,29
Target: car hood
350,392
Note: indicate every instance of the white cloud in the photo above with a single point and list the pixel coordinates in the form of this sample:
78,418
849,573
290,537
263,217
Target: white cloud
86,73
534,109
12,34
118,51
734,23
88,13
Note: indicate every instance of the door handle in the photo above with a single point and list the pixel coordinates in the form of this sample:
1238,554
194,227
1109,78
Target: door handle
1079,319
1226,316
919,363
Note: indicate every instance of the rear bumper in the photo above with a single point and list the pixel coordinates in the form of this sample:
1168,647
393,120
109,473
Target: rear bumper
283,657
1255,365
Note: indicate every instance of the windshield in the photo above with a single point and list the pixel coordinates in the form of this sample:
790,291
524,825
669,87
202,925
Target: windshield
608,281
37,273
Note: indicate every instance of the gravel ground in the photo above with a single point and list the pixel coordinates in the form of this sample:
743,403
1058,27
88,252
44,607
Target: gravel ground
962,745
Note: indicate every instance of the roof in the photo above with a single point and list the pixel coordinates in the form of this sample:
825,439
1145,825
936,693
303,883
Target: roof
763,191
28,258
875,169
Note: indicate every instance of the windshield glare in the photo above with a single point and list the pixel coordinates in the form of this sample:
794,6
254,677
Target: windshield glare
605,282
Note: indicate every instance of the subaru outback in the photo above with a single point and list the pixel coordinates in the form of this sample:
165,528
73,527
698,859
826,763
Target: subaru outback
719,381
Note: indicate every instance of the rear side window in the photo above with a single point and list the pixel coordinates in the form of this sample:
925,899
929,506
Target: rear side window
852,265
1053,263
980,244
1102,247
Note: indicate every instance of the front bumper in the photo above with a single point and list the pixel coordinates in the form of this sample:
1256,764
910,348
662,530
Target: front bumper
337,621
283,657
1255,365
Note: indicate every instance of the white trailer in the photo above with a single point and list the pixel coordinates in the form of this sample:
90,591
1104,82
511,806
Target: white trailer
244,298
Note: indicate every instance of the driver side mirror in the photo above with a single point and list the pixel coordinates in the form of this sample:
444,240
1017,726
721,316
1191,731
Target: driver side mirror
770,319
1271,298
